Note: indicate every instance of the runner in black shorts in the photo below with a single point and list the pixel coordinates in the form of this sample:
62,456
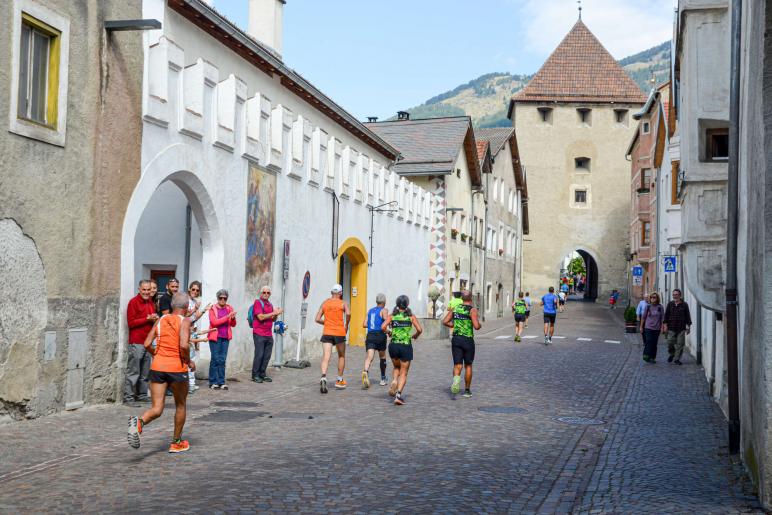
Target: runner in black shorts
550,304
464,321
400,324
376,339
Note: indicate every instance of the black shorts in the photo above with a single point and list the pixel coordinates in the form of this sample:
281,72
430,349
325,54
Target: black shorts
335,340
561,302
375,340
549,318
519,318
463,350
528,313
401,351
167,377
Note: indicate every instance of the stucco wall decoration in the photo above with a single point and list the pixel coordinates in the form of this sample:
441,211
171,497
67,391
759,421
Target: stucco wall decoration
261,220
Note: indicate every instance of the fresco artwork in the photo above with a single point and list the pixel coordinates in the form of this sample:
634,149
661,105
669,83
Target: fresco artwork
261,218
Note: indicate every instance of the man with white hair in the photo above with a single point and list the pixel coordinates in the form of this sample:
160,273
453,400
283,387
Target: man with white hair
376,339
335,315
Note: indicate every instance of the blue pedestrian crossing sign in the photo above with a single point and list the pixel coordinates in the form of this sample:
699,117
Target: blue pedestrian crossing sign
669,263
637,271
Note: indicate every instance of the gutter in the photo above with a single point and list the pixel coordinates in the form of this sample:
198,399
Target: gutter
733,400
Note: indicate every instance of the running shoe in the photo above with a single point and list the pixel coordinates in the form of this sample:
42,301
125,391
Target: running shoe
383,381
517,338
340,384
223,387
192,388
546,341
550,340
393,388
365,380
398,400
455,387
267,379
135,431
467,393
214,386
323,385
180,446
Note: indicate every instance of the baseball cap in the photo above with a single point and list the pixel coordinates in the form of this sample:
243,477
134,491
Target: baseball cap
337,289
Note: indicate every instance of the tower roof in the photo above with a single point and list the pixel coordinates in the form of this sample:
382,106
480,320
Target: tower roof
580,69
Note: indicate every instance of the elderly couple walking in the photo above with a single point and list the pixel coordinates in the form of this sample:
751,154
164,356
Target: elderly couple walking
674,320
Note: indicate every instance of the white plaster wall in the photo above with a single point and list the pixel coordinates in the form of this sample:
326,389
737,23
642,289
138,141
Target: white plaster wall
208,156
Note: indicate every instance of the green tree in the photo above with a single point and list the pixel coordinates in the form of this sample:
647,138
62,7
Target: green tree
576,266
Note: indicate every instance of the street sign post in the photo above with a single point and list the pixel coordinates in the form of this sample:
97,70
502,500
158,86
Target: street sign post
637,271
637,280
306,289
669,264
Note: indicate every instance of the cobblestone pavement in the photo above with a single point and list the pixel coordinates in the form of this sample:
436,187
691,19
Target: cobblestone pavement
283,447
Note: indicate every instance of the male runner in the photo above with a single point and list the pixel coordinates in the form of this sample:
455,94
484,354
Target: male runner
335,315
376,339
528,307
550,303
169,369
463,320
520,308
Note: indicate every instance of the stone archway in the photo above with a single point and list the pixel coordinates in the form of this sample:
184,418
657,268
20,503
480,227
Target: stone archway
352,274
591,267
179,167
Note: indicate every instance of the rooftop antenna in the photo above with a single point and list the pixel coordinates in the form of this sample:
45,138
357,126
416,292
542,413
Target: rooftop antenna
580,9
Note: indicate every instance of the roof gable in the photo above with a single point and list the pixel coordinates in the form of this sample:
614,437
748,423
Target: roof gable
430,146
580,69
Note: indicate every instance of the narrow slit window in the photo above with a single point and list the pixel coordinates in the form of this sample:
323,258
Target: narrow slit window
584,114
645,127
620,115
545,114
582,164
717,144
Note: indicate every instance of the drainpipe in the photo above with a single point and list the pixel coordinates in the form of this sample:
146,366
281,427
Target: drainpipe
733,400
699,333
186,277
484,240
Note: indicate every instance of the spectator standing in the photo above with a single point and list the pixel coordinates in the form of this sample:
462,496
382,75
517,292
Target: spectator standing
263,317
165,301
154,294
194,313
140,316
641,309
677,324
651,325
221,316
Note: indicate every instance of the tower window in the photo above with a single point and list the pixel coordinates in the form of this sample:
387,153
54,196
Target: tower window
582,164
717,143
620,115
580,196
645,127
545,114
584,115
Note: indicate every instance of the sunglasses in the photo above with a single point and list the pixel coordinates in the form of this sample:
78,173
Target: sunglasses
266,293
222,298
194,289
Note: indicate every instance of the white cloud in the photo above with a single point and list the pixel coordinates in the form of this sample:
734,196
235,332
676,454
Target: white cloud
624,27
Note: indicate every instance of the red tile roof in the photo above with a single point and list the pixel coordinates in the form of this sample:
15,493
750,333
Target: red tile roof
482,147
581,70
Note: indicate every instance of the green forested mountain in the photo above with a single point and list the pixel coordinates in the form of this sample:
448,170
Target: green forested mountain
486,98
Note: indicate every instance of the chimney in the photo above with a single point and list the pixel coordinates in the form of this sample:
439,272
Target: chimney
372,119
403,115
266,22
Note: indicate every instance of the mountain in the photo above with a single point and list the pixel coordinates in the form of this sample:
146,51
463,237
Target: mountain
486,98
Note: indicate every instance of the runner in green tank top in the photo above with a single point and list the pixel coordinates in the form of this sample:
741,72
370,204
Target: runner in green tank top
520,308
463,319
400,326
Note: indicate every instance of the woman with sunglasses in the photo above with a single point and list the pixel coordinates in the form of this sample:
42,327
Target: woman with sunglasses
223,317
195,312
651,326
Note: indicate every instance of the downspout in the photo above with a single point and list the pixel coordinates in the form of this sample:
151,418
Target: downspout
699,333
484,240
186,277
733,400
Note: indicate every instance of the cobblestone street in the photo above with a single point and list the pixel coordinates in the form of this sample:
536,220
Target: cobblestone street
283,447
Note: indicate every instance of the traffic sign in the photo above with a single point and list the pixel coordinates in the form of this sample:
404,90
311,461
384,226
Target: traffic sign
637,280
637,271
669,263
306,284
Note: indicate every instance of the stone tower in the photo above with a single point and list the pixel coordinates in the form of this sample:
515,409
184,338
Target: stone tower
573,122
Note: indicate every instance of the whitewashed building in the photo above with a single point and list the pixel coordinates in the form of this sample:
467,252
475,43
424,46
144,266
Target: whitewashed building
244,161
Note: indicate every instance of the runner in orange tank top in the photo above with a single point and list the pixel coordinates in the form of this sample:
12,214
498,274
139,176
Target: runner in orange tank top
335,315
170,366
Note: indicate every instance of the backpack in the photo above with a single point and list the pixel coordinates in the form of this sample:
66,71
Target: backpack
251,312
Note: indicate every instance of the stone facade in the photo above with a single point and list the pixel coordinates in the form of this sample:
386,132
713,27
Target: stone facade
63,192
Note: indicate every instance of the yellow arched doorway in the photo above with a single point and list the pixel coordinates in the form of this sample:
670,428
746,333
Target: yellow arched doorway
352,274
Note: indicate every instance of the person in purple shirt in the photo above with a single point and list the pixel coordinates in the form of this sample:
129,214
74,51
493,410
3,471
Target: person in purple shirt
223,317
651,325
263,316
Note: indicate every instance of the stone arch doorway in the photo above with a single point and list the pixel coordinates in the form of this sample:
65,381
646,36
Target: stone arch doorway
352,275
206,256
591,283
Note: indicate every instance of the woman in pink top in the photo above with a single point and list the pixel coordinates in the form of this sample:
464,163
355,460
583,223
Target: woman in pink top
223,317
651,325
264,314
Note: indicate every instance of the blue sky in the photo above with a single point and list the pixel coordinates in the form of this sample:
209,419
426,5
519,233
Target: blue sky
374,57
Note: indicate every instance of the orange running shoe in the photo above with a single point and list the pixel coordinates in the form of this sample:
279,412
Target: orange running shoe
180,446
340,384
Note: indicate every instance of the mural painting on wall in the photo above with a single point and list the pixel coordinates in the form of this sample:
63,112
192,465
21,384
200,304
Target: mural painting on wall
261,217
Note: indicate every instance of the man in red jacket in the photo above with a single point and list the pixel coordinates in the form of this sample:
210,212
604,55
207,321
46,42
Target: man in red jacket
141,316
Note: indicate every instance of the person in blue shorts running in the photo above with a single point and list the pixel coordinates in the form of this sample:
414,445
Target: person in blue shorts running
550,305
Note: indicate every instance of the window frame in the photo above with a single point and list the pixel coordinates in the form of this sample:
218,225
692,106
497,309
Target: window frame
645,127
624,115
585,116
709,143
545,114
645,234
582,169
576,195
57,27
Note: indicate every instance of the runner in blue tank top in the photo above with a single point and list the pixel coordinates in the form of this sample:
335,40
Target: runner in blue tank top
376,339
